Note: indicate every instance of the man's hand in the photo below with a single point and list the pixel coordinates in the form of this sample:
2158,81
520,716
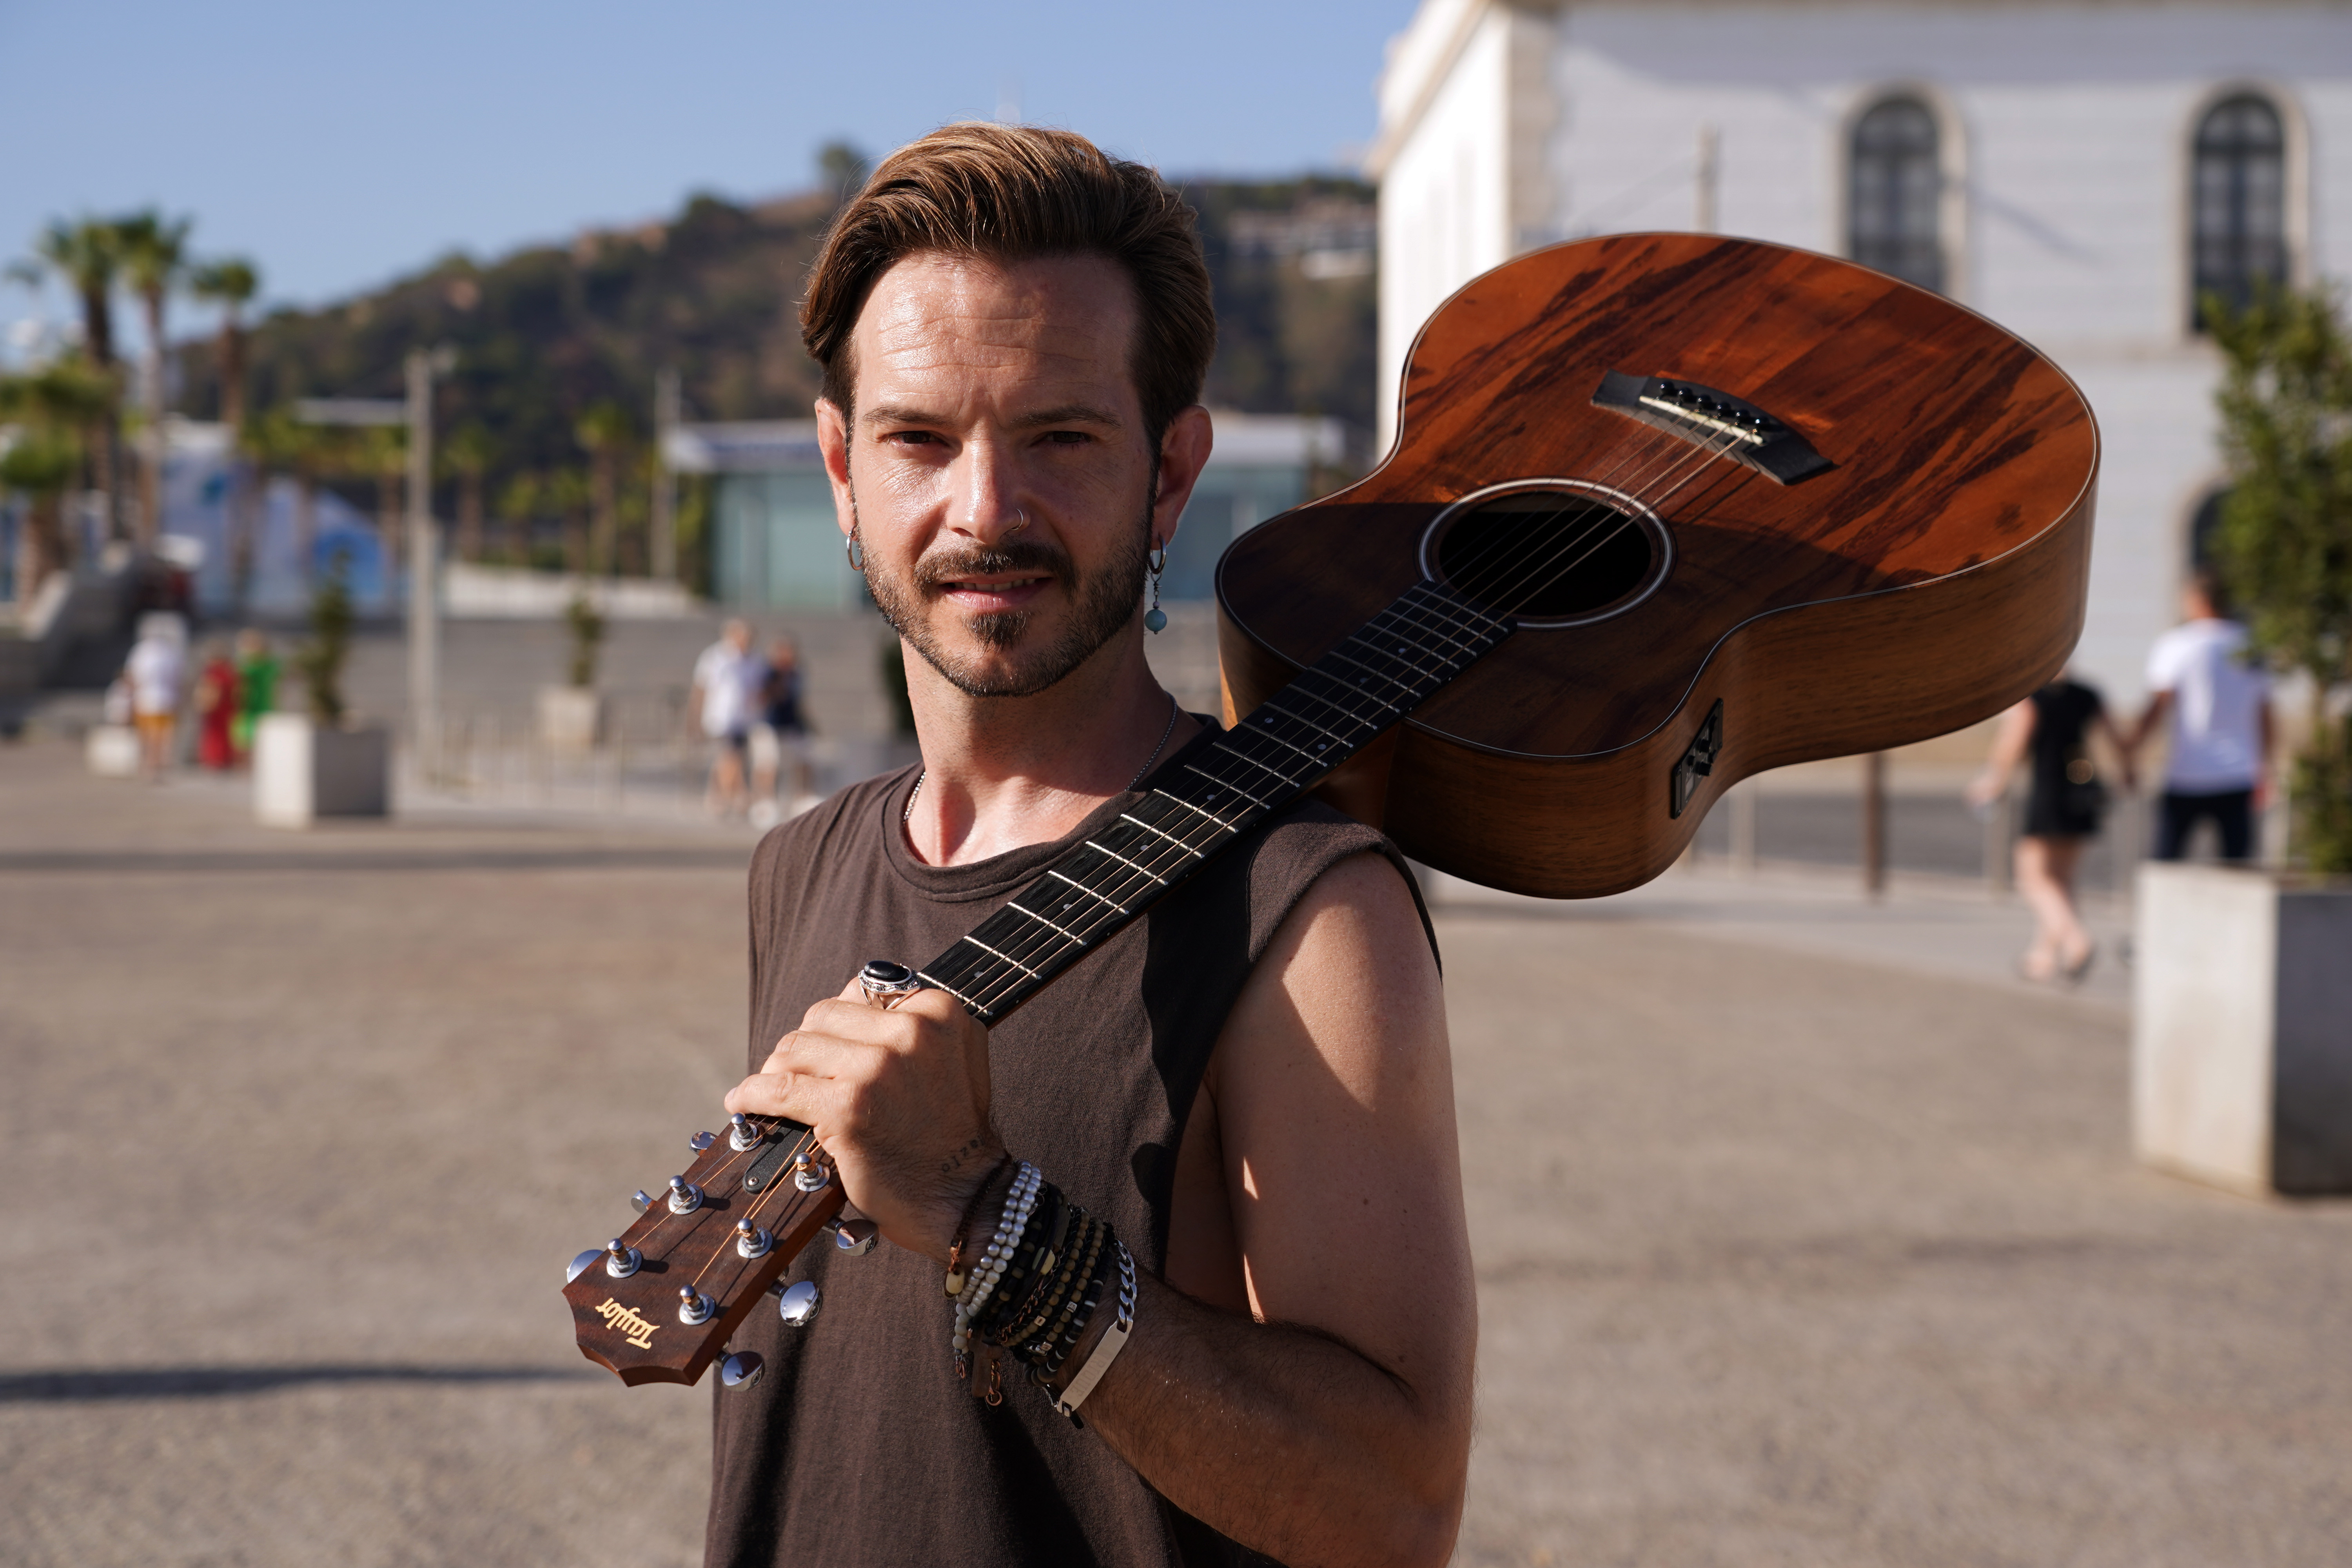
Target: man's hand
899,1100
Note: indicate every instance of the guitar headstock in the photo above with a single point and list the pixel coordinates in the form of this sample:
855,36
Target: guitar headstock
659,1304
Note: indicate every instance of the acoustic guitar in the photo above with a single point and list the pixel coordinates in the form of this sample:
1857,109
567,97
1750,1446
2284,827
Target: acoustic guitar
1663,509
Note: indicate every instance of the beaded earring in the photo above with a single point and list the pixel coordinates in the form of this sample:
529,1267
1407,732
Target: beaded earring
1155,618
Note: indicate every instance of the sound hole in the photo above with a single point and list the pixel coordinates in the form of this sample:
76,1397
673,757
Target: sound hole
1546,554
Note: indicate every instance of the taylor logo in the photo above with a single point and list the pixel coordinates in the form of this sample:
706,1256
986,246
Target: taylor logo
640,1330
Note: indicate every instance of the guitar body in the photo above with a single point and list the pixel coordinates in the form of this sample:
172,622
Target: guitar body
1928,570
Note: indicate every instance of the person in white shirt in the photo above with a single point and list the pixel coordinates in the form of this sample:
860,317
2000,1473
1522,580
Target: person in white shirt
2215,701
153,673
726,687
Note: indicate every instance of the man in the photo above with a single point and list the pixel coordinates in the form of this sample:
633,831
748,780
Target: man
781,735
2217,744
726,683
1247,1091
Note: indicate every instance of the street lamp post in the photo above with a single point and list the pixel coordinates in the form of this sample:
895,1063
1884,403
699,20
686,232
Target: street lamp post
423,540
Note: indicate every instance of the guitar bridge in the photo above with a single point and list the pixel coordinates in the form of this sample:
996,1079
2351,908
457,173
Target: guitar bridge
1735,427
1697,763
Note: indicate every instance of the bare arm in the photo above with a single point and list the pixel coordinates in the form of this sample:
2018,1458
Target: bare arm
1331,1423
2008,745
2160,703
2124,762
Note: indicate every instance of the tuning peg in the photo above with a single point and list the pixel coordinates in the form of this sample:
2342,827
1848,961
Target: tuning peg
742,1370
751,1241
809,1174
639,1202
797,1303
684,1197
581,1264
741,1136
693,1306
620,1259
855,1237
700,1142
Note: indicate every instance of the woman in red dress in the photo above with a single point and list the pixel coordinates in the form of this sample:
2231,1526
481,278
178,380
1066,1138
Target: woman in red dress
216,710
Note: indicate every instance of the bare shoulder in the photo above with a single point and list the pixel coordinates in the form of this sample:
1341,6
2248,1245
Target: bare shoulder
1334,1096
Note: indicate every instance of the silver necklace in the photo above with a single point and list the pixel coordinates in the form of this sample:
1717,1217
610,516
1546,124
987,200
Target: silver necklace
908,815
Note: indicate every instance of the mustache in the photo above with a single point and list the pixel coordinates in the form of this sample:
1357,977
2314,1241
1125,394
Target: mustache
933,572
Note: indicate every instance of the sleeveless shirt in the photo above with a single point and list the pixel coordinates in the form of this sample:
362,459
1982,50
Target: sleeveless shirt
860,1445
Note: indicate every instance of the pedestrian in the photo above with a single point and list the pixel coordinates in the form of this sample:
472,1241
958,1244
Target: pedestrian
2214,702
256,688
218,706
2049,731
155,670
780,736
726,686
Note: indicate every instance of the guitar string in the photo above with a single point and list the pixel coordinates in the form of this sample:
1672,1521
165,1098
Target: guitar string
1150,866
1659,442
1673,441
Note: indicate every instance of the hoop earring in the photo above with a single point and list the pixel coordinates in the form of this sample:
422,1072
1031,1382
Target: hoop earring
854,548
1155,618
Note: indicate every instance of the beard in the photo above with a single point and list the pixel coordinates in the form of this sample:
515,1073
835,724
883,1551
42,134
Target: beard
1101,604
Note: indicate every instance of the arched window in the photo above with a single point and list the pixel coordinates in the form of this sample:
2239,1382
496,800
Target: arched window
1896,185
2204,525
2237,202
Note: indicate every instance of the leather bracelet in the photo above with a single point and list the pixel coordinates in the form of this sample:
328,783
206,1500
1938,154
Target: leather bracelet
1076,1273
1107,1349
1046,1328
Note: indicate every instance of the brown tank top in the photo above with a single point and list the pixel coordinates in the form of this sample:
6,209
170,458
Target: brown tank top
860,1446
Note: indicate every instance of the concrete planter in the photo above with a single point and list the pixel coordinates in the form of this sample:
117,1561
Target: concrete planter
111,750
571,718
301,773
2242,1030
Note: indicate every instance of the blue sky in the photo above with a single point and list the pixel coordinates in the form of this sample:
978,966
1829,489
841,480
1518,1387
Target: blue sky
338,145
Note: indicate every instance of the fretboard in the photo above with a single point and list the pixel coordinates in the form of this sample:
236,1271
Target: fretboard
1280,749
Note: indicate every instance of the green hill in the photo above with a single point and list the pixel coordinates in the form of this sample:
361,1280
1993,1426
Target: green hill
547,333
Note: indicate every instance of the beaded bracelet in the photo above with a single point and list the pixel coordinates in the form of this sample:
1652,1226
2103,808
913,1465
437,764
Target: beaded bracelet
1042,1330
1020,1202
1077,1269
1035,1257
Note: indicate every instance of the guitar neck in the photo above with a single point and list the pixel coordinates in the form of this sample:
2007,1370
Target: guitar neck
1282,749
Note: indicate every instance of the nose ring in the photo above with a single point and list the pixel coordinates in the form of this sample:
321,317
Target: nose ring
1021,524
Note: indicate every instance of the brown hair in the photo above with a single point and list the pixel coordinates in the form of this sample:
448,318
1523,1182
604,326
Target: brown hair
1010,192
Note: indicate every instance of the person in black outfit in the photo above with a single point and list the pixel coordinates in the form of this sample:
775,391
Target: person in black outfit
2049,731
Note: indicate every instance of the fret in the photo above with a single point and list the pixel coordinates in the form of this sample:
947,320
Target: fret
1156,834
1377,675
1221,824
1226,783
1478,626
1131,864
1262,748
1041,920
1005,956
1225,754
1087,890
1416,633
1317,672
1268,733
1303,719
936,983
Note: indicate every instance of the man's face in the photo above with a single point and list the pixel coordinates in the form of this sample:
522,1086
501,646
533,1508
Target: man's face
997,471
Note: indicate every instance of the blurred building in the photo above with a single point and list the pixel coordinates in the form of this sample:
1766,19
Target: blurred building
2079,173
777,546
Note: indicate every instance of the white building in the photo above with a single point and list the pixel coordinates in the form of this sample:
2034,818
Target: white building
2076,171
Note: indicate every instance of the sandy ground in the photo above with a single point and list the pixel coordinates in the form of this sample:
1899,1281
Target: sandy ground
1801,1240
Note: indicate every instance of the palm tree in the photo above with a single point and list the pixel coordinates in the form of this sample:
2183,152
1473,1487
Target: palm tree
154,251
56,410
467,455
86,256
231,283
603,430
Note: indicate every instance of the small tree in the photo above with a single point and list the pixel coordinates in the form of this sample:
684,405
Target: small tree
321,660
587,635
2284,545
